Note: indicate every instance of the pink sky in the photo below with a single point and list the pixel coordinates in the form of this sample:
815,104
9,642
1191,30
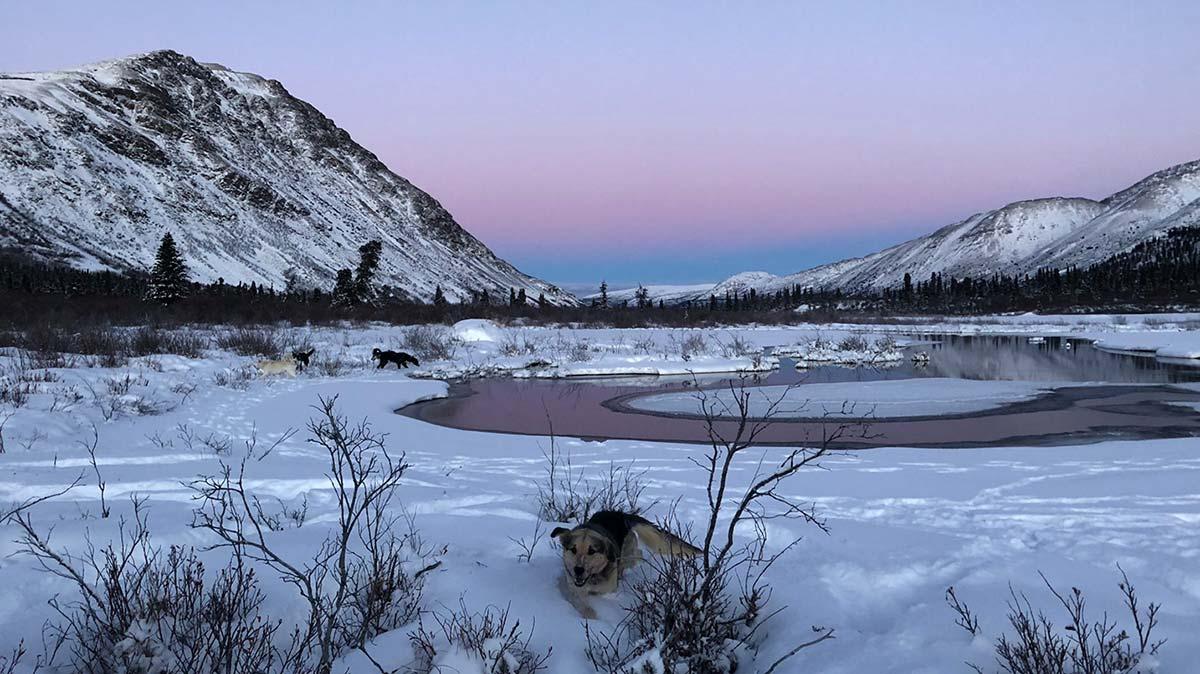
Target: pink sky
620,140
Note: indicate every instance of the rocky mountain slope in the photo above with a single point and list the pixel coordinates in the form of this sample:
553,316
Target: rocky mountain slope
97,163
1016,239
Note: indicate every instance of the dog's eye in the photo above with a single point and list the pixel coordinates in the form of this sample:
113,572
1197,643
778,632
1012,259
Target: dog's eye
591,551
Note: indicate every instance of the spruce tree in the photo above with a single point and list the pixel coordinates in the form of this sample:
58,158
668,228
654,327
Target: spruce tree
522,298
604,294
439,298
642,296
542,303
169,278
343,289
364,276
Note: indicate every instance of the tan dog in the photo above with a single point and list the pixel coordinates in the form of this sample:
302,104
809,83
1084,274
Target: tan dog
287,367
598,552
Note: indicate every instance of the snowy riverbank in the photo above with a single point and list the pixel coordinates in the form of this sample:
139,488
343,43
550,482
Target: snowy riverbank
904,523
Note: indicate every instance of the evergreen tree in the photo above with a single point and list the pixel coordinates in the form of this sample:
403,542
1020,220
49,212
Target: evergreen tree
642,296
169,278
439,298
364,276
344,294
604,294
512,297
522,298
542,303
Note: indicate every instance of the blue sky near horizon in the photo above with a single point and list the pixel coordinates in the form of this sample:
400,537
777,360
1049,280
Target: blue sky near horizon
682,142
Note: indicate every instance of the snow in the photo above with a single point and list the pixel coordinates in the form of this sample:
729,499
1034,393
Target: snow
1159,344
1018,238
255,184
669,294
477,330
879,399
904,523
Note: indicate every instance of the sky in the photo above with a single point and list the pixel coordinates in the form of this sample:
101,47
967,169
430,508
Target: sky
681,142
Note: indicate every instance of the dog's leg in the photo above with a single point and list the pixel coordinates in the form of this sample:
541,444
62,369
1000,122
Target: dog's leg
576,599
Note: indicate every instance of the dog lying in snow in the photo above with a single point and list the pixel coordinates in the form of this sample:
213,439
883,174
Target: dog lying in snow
598,552
286,366
400,358
301,357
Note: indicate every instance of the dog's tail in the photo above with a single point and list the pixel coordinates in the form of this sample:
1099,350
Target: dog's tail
659,540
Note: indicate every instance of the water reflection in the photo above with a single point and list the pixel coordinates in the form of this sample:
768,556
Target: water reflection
594,408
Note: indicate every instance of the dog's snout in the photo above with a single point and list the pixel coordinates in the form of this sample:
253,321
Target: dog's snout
579,571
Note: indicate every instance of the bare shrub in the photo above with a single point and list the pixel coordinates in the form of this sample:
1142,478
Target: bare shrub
140,611
151,341
518,343
9,663
737,346
569,494
644,345
692,345
579,351
333,366
431,342
119,386
965,618
885,343
528,545
361,580
853,343
486,637
15,390
1085,646
109,345
696,614
251,342
235,378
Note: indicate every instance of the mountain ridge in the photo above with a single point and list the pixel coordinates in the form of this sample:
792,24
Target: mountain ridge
1017,238
256,185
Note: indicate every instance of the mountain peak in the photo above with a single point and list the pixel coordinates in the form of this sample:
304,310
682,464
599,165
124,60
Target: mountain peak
97,163
1017,238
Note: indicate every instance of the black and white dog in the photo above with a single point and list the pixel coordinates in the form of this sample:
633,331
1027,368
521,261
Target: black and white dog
400,358
301,357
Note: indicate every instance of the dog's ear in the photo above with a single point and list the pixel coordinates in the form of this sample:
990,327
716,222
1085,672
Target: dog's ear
559,531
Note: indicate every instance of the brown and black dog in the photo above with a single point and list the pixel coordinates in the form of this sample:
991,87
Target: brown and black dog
598,552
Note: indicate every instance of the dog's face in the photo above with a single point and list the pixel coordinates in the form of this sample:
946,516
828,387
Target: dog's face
375,353
586,553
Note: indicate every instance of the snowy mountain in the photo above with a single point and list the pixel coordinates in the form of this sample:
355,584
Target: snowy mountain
97,163
670,294
1016,239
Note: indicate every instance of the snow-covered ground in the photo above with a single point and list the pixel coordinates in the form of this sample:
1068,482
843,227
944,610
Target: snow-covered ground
880,399
904,523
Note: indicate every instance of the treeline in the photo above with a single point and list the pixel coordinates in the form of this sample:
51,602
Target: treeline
1158,272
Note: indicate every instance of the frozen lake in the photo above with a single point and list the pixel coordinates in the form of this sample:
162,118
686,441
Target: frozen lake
1077,394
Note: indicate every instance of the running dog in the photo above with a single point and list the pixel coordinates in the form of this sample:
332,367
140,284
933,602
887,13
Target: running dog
287,366
301,358
598,552
400,358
